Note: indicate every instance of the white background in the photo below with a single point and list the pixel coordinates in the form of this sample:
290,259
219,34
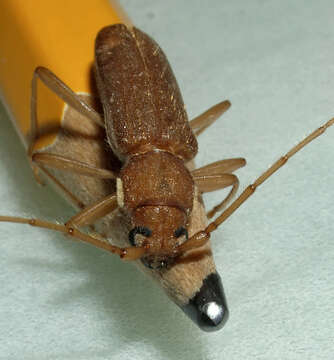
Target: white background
274,61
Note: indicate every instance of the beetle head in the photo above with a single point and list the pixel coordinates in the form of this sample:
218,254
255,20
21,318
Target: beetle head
161,229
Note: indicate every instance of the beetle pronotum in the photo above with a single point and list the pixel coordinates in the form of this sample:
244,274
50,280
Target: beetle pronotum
148,130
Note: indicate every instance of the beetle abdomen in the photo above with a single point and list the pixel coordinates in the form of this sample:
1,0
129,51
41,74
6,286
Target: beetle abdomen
142,103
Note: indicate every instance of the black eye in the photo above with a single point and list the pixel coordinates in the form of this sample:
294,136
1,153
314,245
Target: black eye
181,231
155,265
138,230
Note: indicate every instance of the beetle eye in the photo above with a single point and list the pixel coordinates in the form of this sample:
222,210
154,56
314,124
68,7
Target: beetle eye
138,230
181,231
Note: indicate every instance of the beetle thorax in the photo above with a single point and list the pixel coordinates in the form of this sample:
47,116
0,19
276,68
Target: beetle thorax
157,191
156,178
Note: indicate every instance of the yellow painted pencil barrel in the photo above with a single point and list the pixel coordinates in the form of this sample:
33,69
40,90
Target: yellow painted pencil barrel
56,34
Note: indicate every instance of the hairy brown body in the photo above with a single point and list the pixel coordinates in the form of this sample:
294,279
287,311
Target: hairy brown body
148,129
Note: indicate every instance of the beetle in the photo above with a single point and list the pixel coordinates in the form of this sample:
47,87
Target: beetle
148,129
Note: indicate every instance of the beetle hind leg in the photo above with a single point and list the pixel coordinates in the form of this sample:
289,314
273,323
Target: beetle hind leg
204,120
51,81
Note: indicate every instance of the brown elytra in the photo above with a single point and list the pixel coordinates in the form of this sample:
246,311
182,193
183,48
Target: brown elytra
142,104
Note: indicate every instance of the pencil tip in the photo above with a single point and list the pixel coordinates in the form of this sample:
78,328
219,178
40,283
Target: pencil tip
208,308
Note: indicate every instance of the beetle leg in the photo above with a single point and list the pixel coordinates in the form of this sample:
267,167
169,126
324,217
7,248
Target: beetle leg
216,182
200,238
204,120
127,253
226,166
67,164
250,189
77,202
217,176
94,212
73,199
66,94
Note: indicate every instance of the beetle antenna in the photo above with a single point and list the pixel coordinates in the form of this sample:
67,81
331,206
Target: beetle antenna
264,176
128,253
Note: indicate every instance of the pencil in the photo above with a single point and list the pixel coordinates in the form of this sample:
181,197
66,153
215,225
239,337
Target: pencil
47,34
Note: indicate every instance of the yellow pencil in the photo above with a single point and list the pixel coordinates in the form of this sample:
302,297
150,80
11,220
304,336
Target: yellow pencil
59,35
56,34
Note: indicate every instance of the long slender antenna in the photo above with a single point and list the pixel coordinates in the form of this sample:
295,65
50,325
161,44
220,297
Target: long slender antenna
264,176
127,253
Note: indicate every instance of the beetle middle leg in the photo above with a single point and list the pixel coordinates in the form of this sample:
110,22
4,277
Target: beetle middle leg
217,182
216,176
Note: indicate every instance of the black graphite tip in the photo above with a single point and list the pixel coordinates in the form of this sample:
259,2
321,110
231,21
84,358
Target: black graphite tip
208,308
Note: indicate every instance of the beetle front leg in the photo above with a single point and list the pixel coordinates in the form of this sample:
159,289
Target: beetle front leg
94,212
127,253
